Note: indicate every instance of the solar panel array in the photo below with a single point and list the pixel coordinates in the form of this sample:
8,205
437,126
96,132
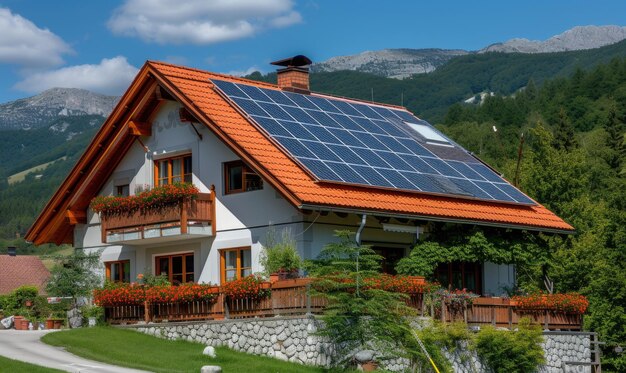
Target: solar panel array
349,142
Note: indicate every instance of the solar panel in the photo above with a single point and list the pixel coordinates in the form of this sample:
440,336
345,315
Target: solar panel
345,141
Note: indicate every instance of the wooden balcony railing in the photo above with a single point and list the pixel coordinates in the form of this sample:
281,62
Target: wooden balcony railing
292,297
192,217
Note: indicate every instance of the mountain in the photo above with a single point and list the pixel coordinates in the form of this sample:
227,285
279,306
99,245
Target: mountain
391,63
43,109
577,38
404,63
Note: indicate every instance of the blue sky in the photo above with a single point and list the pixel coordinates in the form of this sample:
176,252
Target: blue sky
99,45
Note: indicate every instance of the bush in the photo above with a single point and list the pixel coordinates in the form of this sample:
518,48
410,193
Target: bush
95,312
511,352
280,256
443,335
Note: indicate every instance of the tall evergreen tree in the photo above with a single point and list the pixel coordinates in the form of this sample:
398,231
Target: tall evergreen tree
564,133
615,139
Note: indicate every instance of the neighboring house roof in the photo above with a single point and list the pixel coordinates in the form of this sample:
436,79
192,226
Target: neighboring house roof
19,270
195,90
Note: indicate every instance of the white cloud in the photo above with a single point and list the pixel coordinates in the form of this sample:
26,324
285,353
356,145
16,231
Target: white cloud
200,21
111,76
248,71
23,43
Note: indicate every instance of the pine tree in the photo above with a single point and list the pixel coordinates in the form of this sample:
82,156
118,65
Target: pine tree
564,133
615,139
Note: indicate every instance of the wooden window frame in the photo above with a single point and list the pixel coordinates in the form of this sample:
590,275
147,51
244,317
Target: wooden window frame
246,170
477,274
107,268
238,268
170,274
170,176
119,190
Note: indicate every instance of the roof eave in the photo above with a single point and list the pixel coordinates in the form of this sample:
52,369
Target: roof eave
442,219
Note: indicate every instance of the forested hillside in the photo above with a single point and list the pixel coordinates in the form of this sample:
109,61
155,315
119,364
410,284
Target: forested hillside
573,161
430,95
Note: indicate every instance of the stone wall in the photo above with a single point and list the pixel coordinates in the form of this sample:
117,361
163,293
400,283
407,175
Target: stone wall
293,339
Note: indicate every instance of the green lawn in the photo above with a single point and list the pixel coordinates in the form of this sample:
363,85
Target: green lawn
14,366
140,351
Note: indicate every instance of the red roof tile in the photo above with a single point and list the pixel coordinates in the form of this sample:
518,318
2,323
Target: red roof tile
19,270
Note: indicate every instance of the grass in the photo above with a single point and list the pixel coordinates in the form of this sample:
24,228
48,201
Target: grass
132,349
14,366
20,176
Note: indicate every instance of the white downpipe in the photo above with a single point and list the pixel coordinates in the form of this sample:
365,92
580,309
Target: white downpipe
358,242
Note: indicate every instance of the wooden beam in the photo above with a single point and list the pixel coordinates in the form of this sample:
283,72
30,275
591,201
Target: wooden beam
76,217
162,94
140,128
186,116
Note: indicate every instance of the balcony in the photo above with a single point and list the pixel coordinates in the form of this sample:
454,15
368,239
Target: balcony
292,298
192,219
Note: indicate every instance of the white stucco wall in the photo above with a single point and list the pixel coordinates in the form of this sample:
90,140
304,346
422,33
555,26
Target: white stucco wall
241,219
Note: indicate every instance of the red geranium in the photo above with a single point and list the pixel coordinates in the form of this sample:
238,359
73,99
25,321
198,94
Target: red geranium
157,197
570,302
246,287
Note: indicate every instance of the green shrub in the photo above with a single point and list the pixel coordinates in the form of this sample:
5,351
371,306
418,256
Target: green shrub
280,256
438,336
95,312
511,352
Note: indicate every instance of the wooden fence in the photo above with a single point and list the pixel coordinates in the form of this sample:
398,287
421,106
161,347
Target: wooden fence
292,297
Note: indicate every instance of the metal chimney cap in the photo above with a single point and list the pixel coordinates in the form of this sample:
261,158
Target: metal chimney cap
295,61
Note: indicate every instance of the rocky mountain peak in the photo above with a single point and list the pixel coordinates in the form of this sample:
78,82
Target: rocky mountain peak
42,109
577,38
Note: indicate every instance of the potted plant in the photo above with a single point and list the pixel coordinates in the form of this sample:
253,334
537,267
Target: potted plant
281,259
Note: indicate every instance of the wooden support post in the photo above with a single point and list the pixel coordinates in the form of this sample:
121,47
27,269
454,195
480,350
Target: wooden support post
308,299
146,312
546,320
510,317
493,316
183,217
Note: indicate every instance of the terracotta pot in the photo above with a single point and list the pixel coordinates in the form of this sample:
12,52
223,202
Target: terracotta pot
28,303
274,277
23,324
369,366
50,324
58,323
266,285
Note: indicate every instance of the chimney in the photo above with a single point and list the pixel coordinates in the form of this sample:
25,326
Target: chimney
294,76
11,250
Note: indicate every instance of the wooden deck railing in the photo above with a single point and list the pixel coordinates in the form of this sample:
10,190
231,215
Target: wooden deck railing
292,297
149,224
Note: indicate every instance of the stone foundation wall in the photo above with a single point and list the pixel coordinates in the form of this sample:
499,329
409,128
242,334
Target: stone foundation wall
292,339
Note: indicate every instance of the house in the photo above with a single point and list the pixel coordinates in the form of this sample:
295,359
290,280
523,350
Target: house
20,270
267,157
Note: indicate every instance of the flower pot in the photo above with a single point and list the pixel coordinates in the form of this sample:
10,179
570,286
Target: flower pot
370,366
274,277
50,324
418,280
266,285
28,303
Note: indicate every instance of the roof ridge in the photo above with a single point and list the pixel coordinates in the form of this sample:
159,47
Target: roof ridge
266,84
237,78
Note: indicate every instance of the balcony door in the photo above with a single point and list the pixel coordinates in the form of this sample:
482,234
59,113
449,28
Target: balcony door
460,275
178,268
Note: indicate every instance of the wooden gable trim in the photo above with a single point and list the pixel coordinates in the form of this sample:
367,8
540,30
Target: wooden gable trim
49,220
76,217
247,158
140,128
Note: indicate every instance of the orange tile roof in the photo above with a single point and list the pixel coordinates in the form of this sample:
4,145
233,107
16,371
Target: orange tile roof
196,87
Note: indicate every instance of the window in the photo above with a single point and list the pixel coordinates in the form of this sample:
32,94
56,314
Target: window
460,275
236,263
118,271
427,132
238,177
122,190
178,268
172,170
